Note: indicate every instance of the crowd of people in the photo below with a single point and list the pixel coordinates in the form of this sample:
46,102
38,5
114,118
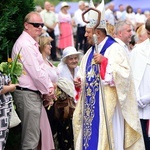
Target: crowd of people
98,96
75,25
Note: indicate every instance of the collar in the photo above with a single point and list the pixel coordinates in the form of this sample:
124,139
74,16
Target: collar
31,39
121,43
48,11
100,45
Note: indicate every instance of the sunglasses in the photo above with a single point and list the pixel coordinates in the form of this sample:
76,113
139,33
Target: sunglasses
36,25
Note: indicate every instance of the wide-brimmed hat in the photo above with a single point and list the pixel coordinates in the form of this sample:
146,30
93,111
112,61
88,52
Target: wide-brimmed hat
64,4
68,51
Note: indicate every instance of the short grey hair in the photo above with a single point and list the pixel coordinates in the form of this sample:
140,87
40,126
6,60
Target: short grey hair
81,2
119,25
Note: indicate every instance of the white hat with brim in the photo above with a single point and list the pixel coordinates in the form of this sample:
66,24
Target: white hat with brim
64,4
68,51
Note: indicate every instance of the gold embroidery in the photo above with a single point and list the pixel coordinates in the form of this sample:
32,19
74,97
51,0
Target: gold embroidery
89,106
93,62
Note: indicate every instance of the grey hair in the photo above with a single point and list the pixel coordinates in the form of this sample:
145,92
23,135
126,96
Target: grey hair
80,3
120,25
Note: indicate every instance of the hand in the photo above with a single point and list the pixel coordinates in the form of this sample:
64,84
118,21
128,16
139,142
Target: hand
140,104
50,29
12,87
55,85
8,88
77,82
48,97
98,58
51,91
145,99
48,103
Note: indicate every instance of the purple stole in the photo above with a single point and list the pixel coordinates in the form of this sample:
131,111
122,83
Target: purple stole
91,115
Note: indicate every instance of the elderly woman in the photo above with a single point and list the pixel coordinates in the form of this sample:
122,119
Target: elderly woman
68,66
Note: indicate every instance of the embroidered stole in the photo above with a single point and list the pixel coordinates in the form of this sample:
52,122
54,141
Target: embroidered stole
91,115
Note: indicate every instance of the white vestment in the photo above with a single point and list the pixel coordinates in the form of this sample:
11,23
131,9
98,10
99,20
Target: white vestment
140,62
119,99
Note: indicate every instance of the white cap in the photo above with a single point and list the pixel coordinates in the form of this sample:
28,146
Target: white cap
93,15
64,4
69,51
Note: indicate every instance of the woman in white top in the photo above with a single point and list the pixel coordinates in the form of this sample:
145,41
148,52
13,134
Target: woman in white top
130,15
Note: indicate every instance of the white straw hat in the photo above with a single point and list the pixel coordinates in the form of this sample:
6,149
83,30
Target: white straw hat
64,4
69,51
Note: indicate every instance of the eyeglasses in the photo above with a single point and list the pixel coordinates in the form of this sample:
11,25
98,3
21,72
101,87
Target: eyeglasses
49,44
36,25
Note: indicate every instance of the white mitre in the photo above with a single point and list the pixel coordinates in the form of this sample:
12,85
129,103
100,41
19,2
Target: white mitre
93,15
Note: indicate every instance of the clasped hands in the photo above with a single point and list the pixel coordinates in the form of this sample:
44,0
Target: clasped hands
144,101
49,98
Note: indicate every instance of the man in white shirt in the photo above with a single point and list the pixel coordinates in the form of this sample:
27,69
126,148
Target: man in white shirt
140,63
50,21
140,18
109,14
121,13
77,18
123,34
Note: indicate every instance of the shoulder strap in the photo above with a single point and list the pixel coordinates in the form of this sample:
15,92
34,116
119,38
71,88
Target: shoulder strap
108,43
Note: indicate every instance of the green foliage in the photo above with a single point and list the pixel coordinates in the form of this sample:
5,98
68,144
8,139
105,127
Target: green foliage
12,13
11,26
13,69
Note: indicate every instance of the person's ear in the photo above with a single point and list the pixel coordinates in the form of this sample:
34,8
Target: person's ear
26,25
